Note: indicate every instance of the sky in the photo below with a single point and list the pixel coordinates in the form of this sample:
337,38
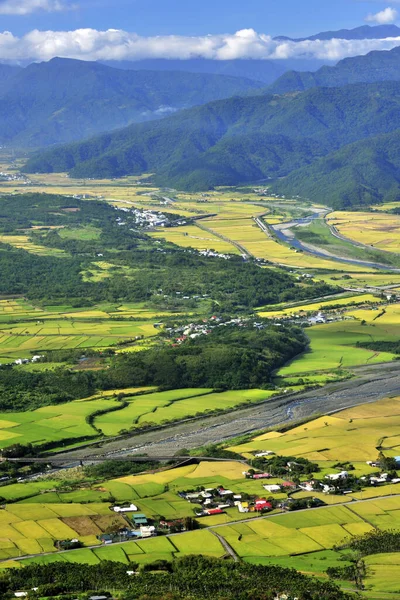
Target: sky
218,29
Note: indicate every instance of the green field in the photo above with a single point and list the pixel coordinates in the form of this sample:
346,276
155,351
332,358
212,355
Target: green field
68,421
334,345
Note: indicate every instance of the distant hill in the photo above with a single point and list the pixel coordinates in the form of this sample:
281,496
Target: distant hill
365,32
372,67
239,140
7,76
266,71
65,100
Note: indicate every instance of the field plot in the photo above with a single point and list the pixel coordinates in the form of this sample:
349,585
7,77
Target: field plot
23,242
351,435
161,407
194,237
383,572
379,230
33,528
323,305
334,345
290,534
24,338
51,423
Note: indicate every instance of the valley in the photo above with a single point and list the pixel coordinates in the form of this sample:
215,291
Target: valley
200,315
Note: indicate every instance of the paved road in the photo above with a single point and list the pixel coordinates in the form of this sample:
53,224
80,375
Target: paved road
371,384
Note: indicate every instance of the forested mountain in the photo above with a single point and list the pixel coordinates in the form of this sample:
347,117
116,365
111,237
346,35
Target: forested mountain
239,139
362,173
365,32
64,100
373,67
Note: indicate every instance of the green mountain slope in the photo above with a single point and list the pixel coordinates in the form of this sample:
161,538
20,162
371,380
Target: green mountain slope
65,100
362,173
373,67
236,140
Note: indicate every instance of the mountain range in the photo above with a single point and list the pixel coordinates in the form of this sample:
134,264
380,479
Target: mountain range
365,32
372,67
237,140
333,132
64,100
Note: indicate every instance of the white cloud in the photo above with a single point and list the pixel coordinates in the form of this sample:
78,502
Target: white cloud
385,16
113,44
26,7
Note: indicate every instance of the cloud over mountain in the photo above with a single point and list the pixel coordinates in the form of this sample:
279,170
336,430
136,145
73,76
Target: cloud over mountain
116,44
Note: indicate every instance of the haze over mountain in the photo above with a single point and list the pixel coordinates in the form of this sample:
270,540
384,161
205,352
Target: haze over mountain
266,71
239,140
64,100
372,67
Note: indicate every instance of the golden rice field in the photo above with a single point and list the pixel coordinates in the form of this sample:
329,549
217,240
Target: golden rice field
33,528
22,242
350,435
23,338
379,230
193,237
316,306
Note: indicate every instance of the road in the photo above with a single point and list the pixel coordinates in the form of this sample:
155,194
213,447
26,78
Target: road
370,384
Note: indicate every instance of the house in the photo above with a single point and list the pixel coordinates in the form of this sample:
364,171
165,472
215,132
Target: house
20,594
264,453
140,519
263,505
272,488
214,511
307,486
243,507
337,476
288,484
149,531
119,509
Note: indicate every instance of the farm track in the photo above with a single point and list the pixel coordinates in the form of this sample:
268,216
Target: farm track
371,383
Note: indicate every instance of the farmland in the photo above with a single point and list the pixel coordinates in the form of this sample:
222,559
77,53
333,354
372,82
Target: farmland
121,411
352,435
378,230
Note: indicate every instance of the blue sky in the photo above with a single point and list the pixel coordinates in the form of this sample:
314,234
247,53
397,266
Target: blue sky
198,17
216,29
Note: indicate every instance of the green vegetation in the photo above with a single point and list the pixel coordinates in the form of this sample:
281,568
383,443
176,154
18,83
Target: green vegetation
252,138
184,578
373,67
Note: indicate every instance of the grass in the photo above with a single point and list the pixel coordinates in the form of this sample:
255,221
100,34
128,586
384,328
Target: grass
312,307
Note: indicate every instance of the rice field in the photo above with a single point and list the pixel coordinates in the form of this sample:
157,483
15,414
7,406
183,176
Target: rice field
321,305
375,229
351,435
334,345
383,572
67,422
23,242
55,332
194,237
161,407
